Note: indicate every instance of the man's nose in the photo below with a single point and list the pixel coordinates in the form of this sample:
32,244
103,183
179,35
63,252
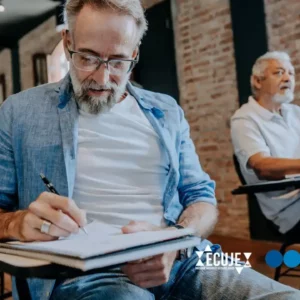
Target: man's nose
101,75
286,77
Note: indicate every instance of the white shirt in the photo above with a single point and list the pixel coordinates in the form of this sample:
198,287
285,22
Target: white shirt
254,129
120,166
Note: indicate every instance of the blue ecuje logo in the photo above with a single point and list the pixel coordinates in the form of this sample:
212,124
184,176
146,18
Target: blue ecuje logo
291,258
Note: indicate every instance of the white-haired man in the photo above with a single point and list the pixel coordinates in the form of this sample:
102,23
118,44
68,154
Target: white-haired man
266,137
123,154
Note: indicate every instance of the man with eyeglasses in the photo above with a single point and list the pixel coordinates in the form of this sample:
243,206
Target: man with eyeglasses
125,158
109,93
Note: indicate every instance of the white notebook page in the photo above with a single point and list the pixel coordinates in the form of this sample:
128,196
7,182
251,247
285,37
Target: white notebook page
101,239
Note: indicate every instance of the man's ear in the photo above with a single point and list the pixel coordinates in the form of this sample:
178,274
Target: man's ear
135,52
65,34
256,81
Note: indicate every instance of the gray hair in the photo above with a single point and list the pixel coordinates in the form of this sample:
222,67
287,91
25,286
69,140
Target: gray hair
132,8
261,64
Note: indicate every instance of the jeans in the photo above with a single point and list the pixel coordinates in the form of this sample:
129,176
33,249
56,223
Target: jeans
185,283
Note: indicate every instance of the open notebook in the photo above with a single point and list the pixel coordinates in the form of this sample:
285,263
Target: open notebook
103,246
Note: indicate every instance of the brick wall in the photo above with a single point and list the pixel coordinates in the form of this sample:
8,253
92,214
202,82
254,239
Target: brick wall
206,65
283,27
208,95
42,39
6,69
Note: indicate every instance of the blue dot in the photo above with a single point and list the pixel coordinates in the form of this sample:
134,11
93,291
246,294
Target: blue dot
291,258
273,258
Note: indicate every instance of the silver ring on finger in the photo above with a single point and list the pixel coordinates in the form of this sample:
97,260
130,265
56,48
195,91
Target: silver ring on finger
45,228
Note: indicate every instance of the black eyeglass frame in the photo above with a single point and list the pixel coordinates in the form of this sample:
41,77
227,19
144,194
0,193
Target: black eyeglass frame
106,62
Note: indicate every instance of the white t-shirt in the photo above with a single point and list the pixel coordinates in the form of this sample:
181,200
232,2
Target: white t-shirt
254,129
121,171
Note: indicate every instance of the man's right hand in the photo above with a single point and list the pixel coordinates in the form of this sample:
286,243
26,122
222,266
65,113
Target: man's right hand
63,214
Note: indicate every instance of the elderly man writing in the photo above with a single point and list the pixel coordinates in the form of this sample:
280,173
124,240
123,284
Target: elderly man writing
266,137
123,155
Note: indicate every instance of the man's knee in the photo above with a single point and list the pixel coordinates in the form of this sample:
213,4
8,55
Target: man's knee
104,288
126,291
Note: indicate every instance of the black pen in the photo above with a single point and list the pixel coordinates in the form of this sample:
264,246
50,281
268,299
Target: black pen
52,189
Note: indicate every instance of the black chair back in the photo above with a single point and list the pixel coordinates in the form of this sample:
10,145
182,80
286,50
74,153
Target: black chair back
260,227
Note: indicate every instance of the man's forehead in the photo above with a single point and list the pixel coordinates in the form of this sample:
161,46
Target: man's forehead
276,63
104,29
103,44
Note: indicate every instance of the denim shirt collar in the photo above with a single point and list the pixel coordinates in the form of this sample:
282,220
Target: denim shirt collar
64,90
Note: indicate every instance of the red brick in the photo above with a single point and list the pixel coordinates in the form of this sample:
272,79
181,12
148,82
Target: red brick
209,148
203,20
213,31
226,41
185,41
184,28
227,49
197,37
185,20
201,14
202,64
228,26
224,12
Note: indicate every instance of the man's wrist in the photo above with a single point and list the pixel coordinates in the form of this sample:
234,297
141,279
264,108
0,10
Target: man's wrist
9,224
182,254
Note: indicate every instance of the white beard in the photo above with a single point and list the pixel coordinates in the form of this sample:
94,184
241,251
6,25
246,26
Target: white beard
286,98
92,104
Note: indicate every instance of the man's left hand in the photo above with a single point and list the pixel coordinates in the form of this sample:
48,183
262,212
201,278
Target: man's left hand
152,271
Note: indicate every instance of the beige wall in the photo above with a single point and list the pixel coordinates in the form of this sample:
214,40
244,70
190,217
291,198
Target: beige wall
6,69
43,39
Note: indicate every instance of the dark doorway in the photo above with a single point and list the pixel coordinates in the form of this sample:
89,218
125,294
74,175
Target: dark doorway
250,40
156,70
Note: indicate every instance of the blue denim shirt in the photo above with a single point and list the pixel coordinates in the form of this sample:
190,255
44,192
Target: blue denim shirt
38,133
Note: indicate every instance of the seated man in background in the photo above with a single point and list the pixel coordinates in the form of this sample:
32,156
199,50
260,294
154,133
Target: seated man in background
266,137
124,155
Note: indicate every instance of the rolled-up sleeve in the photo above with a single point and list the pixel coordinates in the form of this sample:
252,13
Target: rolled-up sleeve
194,185
8,186
247,140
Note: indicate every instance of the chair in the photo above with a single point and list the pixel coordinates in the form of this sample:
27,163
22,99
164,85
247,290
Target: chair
263,229
260,227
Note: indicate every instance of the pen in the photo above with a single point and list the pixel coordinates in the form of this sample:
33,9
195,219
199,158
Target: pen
52,189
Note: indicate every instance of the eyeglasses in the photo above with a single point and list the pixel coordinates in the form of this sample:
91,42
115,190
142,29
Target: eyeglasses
89,63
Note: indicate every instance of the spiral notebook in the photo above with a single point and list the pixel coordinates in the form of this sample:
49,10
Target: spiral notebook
103,246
